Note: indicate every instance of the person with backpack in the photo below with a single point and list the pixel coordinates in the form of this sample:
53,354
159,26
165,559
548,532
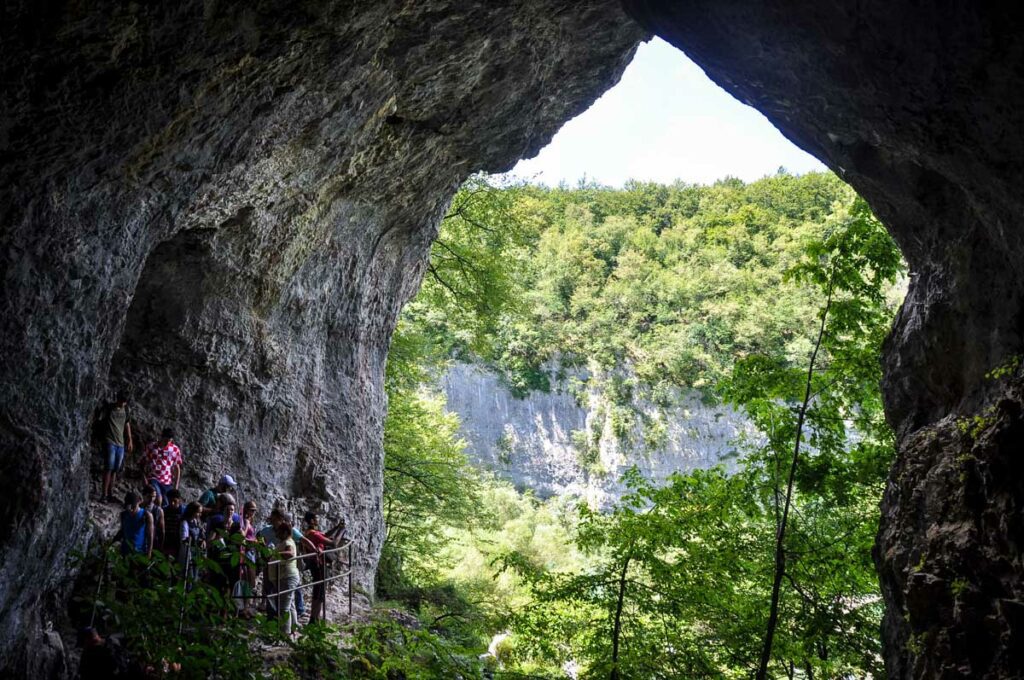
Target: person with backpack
115,435
208,499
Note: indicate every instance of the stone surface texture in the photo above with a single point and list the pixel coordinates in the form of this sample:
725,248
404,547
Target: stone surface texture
558,443
222,207
919,107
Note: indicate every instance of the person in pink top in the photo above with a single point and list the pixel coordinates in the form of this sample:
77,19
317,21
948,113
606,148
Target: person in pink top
249,550
161,465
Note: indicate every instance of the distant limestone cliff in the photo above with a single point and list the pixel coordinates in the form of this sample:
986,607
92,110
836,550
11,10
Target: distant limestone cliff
575,441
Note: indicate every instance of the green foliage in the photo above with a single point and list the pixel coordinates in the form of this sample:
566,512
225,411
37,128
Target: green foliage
673,281
505,447
652,290
385,649
473,278
588,453
1007,368
144,600
681,575
974,425
428,484
318,653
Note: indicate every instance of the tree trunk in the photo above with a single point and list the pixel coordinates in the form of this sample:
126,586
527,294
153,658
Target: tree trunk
617,627
780,534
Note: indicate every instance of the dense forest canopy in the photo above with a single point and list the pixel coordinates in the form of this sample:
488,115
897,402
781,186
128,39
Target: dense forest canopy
676,281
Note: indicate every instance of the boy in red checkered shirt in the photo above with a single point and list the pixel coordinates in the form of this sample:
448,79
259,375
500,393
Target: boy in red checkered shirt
161,465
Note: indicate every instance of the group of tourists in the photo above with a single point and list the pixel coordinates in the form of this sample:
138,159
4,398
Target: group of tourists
157,518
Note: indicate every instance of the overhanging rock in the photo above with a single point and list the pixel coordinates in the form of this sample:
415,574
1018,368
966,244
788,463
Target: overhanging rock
222,207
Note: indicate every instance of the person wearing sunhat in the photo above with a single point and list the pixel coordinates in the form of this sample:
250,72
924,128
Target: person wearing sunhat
208,499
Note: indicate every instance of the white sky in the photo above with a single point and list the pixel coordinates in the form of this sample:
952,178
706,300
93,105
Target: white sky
665,120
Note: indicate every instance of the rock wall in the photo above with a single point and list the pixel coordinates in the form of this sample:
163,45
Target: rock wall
298,155
553,444
222,207
919,107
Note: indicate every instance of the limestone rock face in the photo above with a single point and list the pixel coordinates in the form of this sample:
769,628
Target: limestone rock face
920,108
222,207
560,443
951,562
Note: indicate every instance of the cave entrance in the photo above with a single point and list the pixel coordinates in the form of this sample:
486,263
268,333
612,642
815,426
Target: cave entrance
611,272
163,358
201,353
188,329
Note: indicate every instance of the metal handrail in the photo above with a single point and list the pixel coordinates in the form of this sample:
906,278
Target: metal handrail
346,546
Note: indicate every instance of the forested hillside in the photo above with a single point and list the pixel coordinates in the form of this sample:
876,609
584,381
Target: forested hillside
772,297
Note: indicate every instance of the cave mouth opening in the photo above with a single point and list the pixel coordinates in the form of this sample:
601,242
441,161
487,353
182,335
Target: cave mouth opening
713,133
201,352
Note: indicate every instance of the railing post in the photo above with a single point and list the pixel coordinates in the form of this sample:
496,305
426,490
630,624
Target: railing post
184,584
323,586
99,586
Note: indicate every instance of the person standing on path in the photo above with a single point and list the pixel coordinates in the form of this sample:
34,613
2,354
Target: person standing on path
117,439
173,517
162,465
285,575
249,553
136,527
268,535
317,563
150,505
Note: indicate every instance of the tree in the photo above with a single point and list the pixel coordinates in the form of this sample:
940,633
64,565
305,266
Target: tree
852,268
681,574
471,284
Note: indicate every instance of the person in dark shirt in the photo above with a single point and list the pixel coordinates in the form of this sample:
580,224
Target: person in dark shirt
317,563
117,439
98,661
221,546
150,505
193,538
173,514
208,499
224,517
